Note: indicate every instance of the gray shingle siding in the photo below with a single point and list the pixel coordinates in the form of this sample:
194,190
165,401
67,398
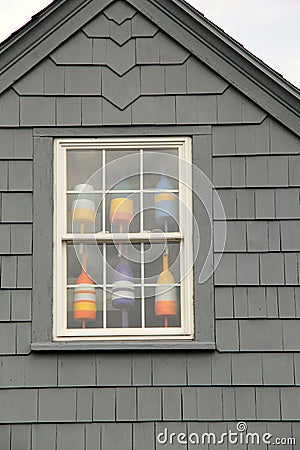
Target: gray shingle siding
120,69
165,406
9,109
261,204
73,437
207,369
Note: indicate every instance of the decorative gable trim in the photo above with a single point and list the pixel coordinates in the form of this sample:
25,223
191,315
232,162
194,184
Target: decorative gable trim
177,19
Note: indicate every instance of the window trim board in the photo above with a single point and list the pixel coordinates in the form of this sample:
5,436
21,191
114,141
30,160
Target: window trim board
42,323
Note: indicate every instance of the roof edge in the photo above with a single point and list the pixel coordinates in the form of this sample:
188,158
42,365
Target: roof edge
238,47
42,35
42,24
14,37
228,58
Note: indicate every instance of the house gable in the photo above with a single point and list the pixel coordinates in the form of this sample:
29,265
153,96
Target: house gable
122,68
49,30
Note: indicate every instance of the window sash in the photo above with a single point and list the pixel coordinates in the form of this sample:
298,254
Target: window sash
61,238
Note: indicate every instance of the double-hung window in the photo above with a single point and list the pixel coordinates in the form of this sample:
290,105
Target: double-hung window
123,247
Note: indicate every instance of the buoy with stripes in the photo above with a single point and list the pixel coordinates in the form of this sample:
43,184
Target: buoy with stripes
165,293
85,309
121,207
123,290
165,203
83,206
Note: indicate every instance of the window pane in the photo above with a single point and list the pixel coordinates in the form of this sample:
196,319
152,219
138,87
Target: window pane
158,163
156,255
85,297
117,253
123,212
162,298
84,211
87,256
162,306
122,170
85,306
127,317
161,212
82,165
123,268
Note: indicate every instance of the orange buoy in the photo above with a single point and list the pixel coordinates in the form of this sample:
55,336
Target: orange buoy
84,299
121,207
121,211
165,293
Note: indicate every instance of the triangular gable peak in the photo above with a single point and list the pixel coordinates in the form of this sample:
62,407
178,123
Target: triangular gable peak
123,59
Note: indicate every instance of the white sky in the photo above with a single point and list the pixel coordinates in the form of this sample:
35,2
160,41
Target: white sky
268,28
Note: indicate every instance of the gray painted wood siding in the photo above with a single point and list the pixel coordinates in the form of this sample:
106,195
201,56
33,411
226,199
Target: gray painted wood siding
110,436
135,79
120,69
257,280
153,404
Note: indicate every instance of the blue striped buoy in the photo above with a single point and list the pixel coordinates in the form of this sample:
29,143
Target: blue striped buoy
165,203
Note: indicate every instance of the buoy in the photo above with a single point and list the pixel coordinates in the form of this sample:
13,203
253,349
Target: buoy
83,206
121,207
165,293
165,203
123,290
85,309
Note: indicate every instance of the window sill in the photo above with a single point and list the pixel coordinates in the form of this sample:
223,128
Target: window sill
118,346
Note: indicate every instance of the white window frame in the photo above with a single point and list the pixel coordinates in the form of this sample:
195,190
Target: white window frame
61,238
